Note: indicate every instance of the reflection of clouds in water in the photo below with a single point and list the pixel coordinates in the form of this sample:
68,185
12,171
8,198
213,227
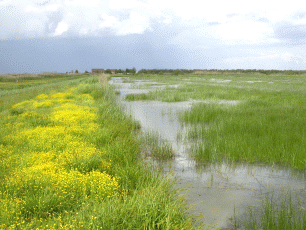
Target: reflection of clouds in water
158,116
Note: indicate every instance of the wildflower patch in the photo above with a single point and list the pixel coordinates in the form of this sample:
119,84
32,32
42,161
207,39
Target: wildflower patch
53,167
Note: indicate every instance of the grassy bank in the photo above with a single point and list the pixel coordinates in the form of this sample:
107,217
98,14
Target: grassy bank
69,159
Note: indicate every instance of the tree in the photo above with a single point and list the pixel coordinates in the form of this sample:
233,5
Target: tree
176,72
76,71
118,71
130,71
108,71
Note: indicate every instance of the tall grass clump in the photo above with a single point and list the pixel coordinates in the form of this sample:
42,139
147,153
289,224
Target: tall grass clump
69,159
156,147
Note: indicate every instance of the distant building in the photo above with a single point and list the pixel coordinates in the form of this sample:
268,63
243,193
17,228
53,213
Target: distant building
113,71
97,71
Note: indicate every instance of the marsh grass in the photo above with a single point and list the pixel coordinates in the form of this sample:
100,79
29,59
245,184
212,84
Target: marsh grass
137,97
253,131
284,212
69,159
156,147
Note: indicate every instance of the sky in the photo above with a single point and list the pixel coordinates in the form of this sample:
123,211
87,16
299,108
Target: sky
67,35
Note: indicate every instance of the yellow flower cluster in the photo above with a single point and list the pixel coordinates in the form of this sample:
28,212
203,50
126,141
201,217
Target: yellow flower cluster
58,169
41,97
62,95
73,114
24,104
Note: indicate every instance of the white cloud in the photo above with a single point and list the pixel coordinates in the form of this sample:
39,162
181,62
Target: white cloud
124,4
108,21
78,3
5,2
61,28
264,56
32,9
136,24
238,32
53,7
167,20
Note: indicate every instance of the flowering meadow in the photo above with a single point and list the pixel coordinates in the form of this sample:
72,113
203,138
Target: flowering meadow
69,160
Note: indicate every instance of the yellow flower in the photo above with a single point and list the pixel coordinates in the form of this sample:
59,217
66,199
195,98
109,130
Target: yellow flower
41,97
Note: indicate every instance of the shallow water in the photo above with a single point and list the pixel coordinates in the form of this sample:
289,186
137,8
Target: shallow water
216,189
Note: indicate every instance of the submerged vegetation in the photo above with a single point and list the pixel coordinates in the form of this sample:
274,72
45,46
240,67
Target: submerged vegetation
69,159
157,148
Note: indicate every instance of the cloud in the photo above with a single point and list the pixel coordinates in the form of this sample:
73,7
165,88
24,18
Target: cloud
61,28
136,24
219,22
294,33
243,31
108,21
268,60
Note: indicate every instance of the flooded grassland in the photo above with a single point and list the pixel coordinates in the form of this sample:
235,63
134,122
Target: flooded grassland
238,142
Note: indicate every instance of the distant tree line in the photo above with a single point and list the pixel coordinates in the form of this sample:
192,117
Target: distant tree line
220,71
267,72
198,71
117,71
165,71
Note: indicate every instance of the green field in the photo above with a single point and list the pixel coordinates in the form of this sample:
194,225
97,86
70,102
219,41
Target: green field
70,159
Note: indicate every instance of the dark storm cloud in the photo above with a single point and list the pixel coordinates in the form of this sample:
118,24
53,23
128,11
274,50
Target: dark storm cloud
40,55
